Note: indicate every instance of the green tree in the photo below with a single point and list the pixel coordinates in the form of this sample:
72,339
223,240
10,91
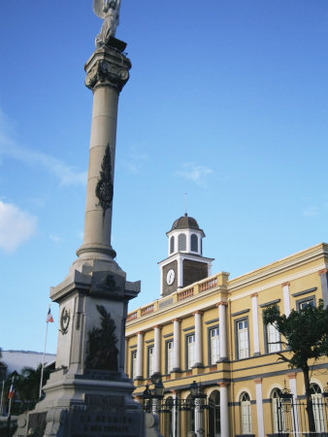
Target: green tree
306,339
26,386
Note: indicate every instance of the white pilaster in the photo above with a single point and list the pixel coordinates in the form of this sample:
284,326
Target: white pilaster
293,390
223,330
259,407
157,350
224,410
139,372
176,345
256,342
198,339
285,292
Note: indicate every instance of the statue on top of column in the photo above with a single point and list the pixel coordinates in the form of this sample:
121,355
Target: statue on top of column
109,11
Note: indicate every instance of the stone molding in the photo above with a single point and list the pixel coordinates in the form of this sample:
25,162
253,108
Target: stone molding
107,67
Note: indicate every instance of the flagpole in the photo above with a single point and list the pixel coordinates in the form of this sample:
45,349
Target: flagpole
11,395
44,356
1,401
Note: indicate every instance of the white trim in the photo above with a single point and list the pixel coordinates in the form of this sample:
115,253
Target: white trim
256,341
259,409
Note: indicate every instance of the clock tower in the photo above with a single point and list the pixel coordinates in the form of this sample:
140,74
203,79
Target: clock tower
185,263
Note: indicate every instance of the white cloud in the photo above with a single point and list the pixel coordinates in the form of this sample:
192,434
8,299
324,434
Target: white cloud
136,160
311,211
16,226
56,238
66,174
195,172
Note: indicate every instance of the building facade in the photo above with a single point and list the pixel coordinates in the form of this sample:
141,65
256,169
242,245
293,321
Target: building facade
211,331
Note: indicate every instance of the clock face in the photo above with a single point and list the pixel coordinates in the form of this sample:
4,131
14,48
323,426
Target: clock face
170,277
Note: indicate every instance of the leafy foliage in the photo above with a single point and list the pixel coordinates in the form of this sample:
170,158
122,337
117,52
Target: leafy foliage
104,188
306,334
305,331
101,348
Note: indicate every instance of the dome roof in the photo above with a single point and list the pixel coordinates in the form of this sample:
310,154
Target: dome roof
185,222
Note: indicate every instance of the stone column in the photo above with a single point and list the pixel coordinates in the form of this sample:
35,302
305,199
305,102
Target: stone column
259,407
285,293
139,372
256,342
176,345
157,351
224,409
223,330
107,72
199,430
198,339
175,414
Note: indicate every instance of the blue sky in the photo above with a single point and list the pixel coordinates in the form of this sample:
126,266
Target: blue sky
227,101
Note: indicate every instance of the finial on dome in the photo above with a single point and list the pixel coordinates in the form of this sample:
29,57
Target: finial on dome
186,215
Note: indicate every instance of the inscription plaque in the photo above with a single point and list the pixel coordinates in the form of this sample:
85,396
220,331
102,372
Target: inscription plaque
105,416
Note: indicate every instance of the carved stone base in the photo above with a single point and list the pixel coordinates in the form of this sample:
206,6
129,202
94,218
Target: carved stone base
76,407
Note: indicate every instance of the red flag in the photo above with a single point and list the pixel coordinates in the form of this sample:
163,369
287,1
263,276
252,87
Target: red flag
49,317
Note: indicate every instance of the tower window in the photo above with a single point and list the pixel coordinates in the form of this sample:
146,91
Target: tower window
182,242
194,243
172,244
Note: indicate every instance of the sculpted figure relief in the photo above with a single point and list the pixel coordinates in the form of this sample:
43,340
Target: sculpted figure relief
109,11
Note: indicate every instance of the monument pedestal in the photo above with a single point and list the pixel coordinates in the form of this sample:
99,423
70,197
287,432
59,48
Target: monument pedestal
89,395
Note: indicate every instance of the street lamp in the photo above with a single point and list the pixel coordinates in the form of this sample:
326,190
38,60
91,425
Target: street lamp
147,397
198,395
158,391
196,391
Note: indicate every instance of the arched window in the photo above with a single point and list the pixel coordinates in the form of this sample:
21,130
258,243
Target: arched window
214,414
245,413
194,243
278,414
317,407
172,244
182,242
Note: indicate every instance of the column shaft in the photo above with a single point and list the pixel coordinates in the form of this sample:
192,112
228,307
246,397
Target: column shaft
198,339
256,341
139,372
176,345
223,331
285,292
259,407
224,411
157,350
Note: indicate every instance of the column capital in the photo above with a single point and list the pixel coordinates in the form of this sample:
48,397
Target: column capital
222,302
140,332
107,66
198,312
292,375
157,326
176,320
258,380
223,384
285,283
254,294
322,272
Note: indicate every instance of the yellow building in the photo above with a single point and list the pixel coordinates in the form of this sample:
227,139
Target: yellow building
209,329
